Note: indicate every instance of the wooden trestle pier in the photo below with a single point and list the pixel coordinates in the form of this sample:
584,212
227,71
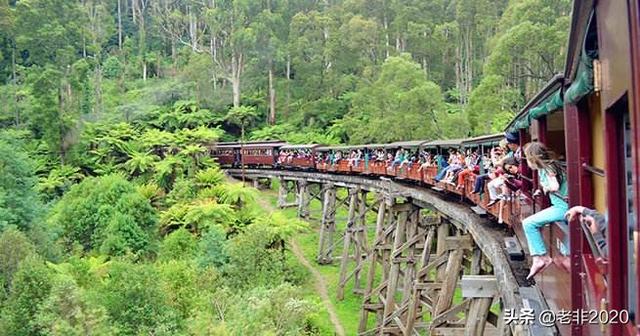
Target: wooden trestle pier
407,251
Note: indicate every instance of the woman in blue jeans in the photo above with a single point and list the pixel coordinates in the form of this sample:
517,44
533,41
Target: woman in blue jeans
553,181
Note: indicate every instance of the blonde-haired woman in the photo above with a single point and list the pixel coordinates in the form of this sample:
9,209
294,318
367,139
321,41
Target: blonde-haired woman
553,181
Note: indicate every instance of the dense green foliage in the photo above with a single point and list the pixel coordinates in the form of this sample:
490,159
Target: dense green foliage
306,70
141,234
114,219
18,199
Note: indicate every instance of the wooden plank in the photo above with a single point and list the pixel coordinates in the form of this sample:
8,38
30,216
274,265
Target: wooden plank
450,314
414,300
477,316
459,242
479,286
327,226
479,211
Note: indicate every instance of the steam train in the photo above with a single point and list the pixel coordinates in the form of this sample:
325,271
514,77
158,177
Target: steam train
590,116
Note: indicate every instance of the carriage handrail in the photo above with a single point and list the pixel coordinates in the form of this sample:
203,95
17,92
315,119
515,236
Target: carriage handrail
593,170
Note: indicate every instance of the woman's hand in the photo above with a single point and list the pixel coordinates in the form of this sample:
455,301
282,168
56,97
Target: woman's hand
573,212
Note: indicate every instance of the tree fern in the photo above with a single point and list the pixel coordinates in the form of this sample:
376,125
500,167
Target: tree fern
210,177
235,194
140,163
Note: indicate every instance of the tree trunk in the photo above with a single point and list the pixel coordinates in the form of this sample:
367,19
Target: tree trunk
14,85
272,96
144,69
119,25
288,84
134,5
193,32
236,71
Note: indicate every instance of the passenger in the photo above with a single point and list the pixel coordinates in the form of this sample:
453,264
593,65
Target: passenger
444,165
596,222
553,182
357,157
513,143
399,158
337,157
455,166
472,168
513,181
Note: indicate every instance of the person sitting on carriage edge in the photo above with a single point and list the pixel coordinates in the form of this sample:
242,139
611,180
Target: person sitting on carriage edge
553,181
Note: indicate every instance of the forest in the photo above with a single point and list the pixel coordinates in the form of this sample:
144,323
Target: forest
113,218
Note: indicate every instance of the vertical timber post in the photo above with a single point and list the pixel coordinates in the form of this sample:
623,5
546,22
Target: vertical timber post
303,199
394,272
328,225
282,192
348,233
441,245
369,305
414,313
361,240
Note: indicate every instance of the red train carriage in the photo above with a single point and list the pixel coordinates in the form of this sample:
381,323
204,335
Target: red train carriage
409,170
298,156
226,153
441,148
260,153
603,132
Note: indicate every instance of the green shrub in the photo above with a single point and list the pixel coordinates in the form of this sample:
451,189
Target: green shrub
18,199
213,248
105,212
179,245
68,310
30,287
135,302
14,247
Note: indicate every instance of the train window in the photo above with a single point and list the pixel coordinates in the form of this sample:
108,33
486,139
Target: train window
630,212
555,134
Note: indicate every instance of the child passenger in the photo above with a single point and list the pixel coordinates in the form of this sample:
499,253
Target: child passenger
553,181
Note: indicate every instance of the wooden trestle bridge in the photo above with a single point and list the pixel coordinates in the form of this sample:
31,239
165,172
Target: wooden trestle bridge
416,259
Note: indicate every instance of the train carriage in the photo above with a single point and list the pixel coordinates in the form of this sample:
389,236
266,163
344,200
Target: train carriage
602,121
226,153
440,148
260,153
410,170
300,156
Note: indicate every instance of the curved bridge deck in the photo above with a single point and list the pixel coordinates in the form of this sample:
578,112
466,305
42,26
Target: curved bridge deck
403,243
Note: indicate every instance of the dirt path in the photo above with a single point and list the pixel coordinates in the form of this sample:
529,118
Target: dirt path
320,283
321,287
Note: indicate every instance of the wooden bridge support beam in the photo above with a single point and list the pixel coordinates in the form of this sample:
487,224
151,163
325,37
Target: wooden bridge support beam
327,226
355,237
348,236
286,187
303,199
